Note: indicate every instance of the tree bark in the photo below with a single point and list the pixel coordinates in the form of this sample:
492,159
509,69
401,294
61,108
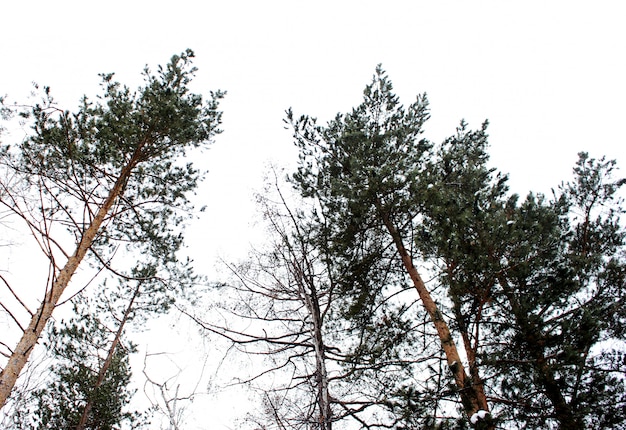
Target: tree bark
26,344
321,374
470,350
472,394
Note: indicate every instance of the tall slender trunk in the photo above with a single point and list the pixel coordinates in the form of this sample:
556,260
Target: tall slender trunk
470,350
472,394
27,342
109,359
308,290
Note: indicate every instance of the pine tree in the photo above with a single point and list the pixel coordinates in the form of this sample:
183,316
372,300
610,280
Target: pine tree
526,284
79,348
365,167
531,284
111,175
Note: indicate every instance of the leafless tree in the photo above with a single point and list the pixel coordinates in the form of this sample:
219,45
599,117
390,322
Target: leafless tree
284,308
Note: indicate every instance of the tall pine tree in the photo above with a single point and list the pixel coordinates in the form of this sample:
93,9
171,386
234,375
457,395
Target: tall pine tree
536,286
110,176
365,167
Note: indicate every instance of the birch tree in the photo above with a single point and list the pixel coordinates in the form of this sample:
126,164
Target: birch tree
284,312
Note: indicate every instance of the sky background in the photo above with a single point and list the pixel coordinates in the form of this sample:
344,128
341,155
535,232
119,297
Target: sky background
549,77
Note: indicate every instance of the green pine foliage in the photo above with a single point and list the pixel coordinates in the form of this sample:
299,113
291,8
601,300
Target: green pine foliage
73,160
363,168
78,348
361,164
108,186
533,288
537,285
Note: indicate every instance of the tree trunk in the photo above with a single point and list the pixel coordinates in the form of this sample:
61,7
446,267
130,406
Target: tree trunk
22,351
107,362
470,350
533,339
308,290
472,395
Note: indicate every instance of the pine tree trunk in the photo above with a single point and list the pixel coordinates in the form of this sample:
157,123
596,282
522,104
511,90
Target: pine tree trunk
107,362
472,395
532,337
26,344
470,350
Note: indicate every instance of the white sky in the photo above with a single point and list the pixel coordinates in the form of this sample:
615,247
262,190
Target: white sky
549,76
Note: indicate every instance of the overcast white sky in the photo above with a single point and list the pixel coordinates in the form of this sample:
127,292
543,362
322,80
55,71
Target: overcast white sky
549,76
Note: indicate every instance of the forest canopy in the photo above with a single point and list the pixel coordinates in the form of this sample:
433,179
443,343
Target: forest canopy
401,284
